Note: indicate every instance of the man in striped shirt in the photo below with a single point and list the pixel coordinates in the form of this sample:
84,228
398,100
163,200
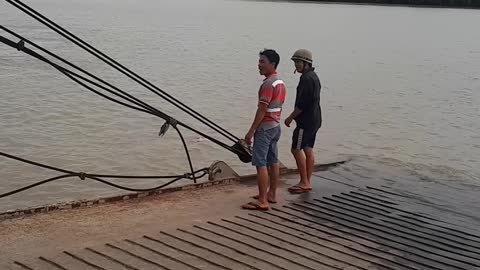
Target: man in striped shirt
265,130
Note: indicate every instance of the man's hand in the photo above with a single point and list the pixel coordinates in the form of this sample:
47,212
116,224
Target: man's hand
249,137
288,121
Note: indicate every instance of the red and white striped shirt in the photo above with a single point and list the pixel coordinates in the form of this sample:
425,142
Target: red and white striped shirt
272,93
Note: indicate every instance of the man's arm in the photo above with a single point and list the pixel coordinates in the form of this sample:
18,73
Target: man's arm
292,116
265,96
261,110
301,103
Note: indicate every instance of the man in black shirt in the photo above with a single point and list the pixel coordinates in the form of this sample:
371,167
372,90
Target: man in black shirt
308,116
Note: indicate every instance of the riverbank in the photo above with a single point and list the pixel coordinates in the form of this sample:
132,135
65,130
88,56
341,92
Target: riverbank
414,3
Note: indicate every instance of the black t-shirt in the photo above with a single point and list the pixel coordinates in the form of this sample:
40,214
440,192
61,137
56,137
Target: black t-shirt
308,100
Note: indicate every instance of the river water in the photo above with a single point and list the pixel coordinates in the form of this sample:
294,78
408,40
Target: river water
401,88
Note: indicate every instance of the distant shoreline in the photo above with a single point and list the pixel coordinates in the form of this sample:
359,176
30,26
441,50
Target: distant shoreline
471,4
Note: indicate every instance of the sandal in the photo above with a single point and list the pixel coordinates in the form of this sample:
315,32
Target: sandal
255,206
256,198
298,189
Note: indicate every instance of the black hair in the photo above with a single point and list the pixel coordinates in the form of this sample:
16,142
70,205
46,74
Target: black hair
272,56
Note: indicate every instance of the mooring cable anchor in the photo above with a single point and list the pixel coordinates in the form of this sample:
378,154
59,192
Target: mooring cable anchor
169,122
20,45
219,170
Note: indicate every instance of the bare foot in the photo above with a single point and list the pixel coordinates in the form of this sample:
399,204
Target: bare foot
255,206
270,198
299,189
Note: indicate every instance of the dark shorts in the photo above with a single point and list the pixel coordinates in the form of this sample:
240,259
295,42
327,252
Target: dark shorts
265,149
303,138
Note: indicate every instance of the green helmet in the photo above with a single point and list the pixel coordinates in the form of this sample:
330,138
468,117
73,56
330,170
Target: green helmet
303,55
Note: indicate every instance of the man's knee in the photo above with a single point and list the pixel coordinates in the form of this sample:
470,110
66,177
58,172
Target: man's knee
273,165
308,151
296,151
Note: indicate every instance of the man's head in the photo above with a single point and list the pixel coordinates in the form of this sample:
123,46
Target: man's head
303,60
268,62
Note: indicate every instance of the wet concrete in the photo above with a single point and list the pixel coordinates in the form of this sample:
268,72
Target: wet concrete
344,223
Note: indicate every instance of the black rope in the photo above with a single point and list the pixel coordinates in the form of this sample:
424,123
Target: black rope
72,74
52,168
237,148
187,176
138,105
97,177
34,185
35,163
142,189
147,108
186,150
144,104
69,74
132,75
